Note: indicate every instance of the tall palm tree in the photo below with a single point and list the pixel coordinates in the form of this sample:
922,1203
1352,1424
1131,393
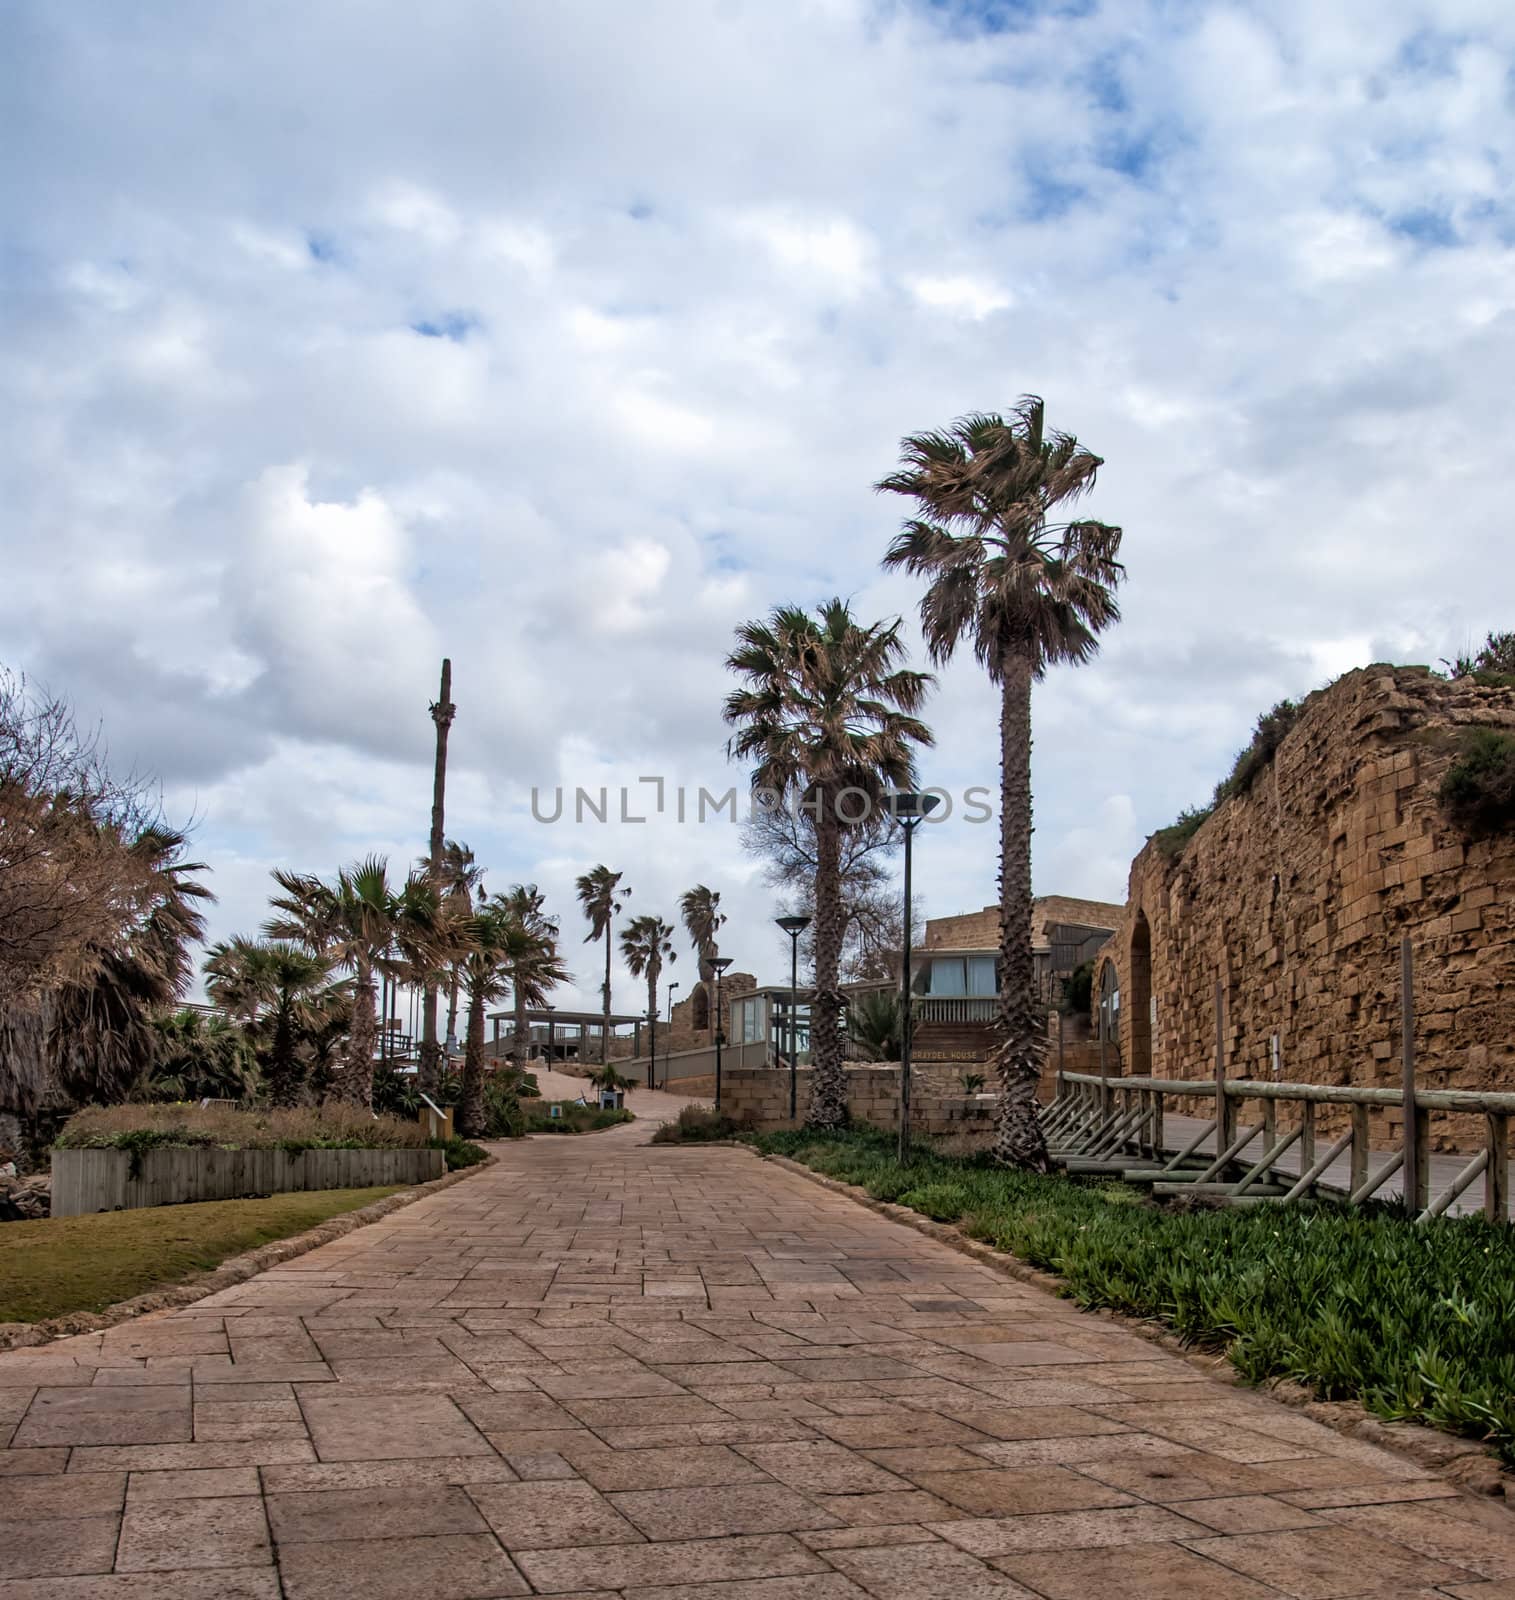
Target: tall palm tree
646,943
601,897
827,711
361,924
275,988
535,968
429,1070
700,909
485,977
1029,592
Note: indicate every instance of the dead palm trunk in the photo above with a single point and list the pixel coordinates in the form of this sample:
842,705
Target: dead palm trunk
357,1081
1018,1059
430,1066
605,1024
469,1120
828,1078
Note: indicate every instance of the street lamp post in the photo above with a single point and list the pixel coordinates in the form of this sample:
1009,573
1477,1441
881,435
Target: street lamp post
720,963
671,987
652,1042
794,926
910,809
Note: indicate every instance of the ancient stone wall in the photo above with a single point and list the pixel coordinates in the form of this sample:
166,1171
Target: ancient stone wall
1295,894
939,1109
692,1023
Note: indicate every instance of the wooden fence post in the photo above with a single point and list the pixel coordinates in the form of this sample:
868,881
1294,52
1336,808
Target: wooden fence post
1415,1174
1225,1122
1496,1178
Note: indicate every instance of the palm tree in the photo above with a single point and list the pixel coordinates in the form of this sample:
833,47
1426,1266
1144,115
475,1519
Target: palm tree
200,1058
700,909
533,964
1030,593
873,1025
646,943
275,988
361,924
457,878
826,712
429,1070
484,977
601,897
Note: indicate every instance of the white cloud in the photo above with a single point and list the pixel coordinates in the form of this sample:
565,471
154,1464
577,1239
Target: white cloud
512,338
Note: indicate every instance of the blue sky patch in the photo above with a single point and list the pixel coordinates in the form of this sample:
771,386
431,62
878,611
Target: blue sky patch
454,325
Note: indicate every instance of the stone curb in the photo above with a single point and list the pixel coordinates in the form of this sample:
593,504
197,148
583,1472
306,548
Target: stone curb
238,1269
1466,1463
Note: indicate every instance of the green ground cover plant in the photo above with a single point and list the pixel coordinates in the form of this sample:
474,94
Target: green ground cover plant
54,1266
573,1118
1412,1319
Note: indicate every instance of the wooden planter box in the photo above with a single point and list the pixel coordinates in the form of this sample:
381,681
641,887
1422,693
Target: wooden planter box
85,1181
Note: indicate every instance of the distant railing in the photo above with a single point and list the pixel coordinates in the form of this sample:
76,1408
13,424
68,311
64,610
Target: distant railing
1116,1125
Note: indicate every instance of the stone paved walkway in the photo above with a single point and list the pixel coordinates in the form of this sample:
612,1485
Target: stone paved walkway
604,1368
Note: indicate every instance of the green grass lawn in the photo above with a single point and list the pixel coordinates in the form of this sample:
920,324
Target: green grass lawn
1412,1319
57,1265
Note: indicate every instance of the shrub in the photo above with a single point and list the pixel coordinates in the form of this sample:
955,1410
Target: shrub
1173,839
145,1127
1492,667
701,1124
1272,728
1412,1319
1478,792
1078,991
460,1153
973,1083
503,1116
572,1117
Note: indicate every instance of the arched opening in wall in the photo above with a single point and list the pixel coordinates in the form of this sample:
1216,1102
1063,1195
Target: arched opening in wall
701,1020
1139,998
1107,1028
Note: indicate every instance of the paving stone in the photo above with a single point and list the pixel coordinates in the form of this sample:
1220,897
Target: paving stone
106,1416
694,1513
1134,1572
830,1587
700,1466
169,1535
220,1583
57,1546
459,1566
542,1516
675,1562
68,1494
823,1467
1325,1563
1066,1530
1468,1533
193,1484
1014,1491
925,1572
389,1427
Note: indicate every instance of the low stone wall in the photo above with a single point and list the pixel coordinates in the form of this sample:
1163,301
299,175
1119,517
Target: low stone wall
86,1181
939,1108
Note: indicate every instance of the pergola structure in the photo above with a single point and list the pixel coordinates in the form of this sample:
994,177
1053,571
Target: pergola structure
565,1035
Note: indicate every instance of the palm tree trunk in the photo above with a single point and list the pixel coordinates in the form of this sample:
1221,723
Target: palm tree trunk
653,974
283,1067
1018,1060
429,1068
605,1024
518,1038
469,1120
357,1080
828,1077
452,1005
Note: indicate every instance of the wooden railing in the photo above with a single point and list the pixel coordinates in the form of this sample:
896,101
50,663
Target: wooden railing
1115,1125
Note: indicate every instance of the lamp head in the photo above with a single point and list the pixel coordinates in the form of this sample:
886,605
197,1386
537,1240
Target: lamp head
720,963
793,926
911,805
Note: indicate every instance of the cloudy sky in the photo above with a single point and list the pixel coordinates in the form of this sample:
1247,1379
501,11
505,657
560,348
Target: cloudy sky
560,336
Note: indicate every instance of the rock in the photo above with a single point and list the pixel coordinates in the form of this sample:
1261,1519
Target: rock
24,1199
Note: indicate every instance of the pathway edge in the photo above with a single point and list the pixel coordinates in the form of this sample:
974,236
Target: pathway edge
234,1270
1468,1464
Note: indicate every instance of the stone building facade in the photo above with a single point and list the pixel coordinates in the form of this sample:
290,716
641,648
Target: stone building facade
691,1025
1294,896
